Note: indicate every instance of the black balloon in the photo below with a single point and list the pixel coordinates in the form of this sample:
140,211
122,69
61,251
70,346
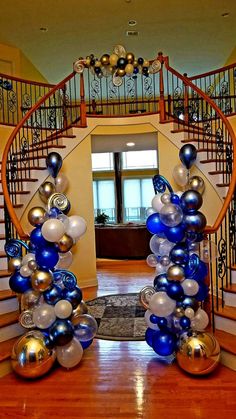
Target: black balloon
191,201
121,63
188,155
140,60
53,163
61,332
194,222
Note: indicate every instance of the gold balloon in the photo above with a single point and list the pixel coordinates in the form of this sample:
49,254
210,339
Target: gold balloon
135,63
146,63
41,280
197,184
65,243
175,273
98,64
179,312
36,216
105,59
30,356
32,264
80,309
113,60
198,354
129,68
14,264
46,190
130,57
120,72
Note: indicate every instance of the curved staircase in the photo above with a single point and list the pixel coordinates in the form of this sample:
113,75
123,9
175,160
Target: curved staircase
62,118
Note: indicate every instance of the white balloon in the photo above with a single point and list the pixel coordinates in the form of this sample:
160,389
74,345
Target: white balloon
161,305
190,287
53,230
25,271
165,248
171,215
161,269
77,227
150,211
64,219
200,320
70,355
180,175
147,316
27,258
151,260
63,309
44,316
61,183
65,260
155,243
189,312
157,204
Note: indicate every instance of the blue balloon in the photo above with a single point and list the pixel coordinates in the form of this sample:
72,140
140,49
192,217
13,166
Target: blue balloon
185,322
61,332
86,344
37,239
179,254
48,341
154,224
194,222
175,234
54,212
174,199
53,163
153,319
18,283
201,272
52,295
47,257
190,201
74,296
160,282
149,336
188,302
188,155
164,343
162,323
202,292
175,291
191,268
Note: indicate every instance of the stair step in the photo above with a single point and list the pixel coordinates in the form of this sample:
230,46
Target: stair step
2,236
222,185
219,172
198,140
23,180
230,288
4,273
3,255
36,149
213,160
227,312
6,348
18,193
6,294
233,267
226,341
29,158
210,150
14,206
9,318
27,169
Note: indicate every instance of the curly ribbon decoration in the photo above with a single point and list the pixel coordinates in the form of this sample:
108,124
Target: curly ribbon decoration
13,248
68,278
58,200
160,184
5,84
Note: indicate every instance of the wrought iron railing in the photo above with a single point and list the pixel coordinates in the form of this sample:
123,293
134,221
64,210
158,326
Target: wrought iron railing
17,96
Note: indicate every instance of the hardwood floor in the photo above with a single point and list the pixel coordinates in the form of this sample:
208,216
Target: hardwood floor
120,379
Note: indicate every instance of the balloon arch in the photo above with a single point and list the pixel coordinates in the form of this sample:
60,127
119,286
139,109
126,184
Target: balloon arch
52,309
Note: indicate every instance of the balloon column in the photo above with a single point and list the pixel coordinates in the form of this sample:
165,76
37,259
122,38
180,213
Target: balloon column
118,64
174,316
52,309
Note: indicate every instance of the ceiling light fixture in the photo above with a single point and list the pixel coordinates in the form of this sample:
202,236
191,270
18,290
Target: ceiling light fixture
130,144
132,22
43,29
226,14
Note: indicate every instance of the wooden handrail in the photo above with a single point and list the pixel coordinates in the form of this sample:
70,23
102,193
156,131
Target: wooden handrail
211,73
18,79
7,198
187,82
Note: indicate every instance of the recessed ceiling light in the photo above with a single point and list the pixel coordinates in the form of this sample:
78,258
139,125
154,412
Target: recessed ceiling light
132,22
226,14
43,29
130,144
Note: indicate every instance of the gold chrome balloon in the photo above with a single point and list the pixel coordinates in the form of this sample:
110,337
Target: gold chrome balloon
120,72
197,184
105,59
36,216
30,356
179,312
145,295
80,309
14,264
65,243
175,273
46,190
41,280
32,264
113,60
198,354
130,57
129,68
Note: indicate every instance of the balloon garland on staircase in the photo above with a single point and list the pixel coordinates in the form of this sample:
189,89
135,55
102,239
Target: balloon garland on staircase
175,318
52,310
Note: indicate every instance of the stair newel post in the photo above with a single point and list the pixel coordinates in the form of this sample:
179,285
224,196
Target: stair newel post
186,98
83,119
162,97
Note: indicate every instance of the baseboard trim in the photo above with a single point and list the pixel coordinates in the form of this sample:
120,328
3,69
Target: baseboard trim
88,283
5,368
228,360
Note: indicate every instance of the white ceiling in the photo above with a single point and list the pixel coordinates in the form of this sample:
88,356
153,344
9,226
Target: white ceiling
192,32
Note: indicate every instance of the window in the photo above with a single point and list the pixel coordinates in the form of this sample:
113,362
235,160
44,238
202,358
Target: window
138,194
104,198
144,159
102,162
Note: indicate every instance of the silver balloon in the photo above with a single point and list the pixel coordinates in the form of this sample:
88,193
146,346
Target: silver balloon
165,198
197,184
44,316
69,355
171,215
180,175
161,305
